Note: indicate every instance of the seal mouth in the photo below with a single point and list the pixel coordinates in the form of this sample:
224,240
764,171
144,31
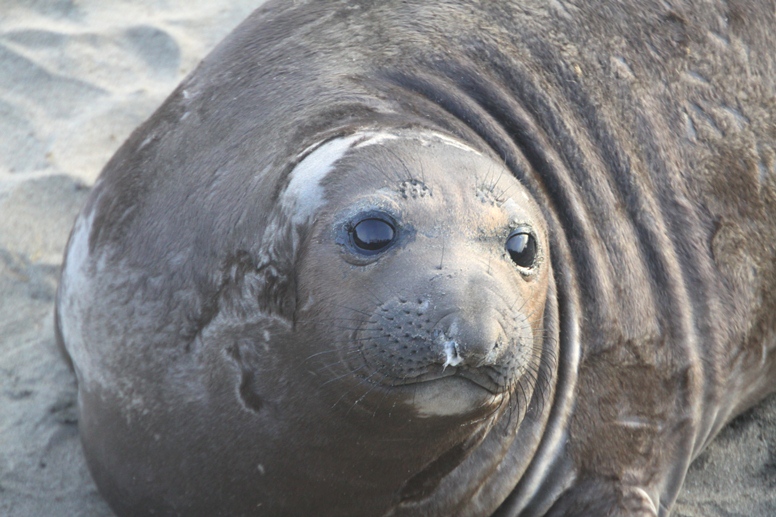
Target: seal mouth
438,373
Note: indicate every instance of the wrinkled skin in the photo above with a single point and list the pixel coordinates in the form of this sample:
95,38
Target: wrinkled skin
238,355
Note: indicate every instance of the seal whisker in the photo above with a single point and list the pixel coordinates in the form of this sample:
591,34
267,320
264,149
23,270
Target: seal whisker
326,320
495,411
502,193
342,376
493,179
391,290
363,339
509,409
380,403
374,295
419,163
333,350
534,373
401,161
330,367
359,311
488,416
512,305
485,183
361,380
343,326
371,388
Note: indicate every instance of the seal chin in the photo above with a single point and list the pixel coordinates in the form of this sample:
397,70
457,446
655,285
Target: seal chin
445,391
452,395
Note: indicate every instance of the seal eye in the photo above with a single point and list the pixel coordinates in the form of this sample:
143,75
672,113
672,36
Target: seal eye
521,246
373,235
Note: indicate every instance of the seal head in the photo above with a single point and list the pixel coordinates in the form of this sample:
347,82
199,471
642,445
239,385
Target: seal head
425,272
396,298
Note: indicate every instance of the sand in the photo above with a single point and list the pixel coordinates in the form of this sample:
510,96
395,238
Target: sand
76,77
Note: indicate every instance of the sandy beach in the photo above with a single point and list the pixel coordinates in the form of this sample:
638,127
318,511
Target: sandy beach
76,77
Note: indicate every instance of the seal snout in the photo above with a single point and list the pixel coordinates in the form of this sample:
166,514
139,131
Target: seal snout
471,340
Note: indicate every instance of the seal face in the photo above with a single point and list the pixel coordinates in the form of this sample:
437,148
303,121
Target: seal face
426,268
428,259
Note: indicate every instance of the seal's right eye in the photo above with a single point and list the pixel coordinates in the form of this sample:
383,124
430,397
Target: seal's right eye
371,236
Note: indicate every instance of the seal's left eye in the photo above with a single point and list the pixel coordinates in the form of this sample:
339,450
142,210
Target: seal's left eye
371,236
521,247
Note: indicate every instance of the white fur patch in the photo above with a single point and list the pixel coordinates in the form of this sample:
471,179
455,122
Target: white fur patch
450,346
375,139
304,194
444,139
73,294
78,252
452,357
424,137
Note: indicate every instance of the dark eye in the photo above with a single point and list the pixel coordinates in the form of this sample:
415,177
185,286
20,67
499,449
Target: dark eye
521,246
371,236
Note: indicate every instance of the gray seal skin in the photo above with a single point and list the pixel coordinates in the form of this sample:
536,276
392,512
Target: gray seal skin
433,258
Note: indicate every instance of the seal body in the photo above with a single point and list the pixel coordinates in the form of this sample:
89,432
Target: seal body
413,258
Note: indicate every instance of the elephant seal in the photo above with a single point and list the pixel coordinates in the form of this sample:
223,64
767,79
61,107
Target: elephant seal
417,258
